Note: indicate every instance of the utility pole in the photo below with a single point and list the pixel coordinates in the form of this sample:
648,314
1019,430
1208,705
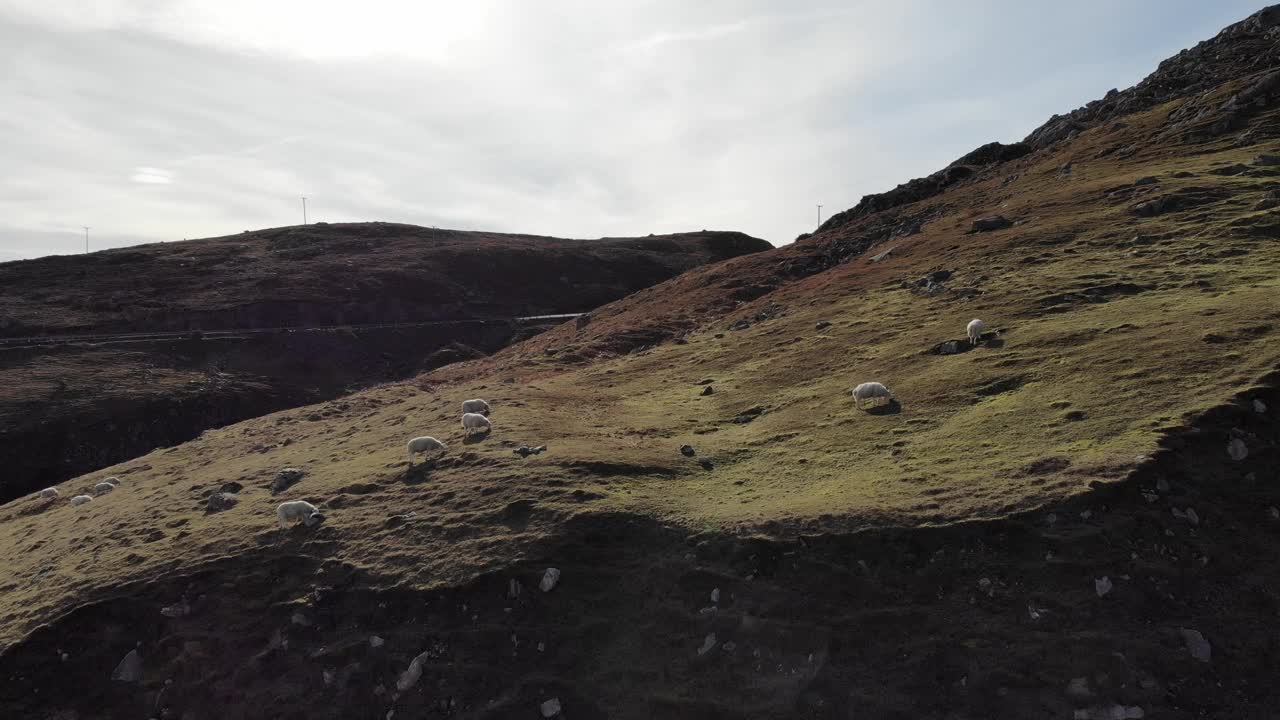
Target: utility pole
819,214
304,209
86,239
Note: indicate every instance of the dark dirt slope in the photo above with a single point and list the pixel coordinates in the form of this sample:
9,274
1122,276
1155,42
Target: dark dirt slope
1045,525
337,274
68,410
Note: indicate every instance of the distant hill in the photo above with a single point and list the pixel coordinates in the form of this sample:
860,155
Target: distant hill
339,274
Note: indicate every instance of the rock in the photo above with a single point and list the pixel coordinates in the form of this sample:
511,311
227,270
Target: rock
822,325
950,347
550,579
688,451
286,478
299,619
1274,512
129,669
176,610
715,595
376,642
1196,644
550,708
1078,689
708,390
987,224
412,674
1145,180
1259,406
1265,159
883,255
1086,514
708,644
985,586
220,501
1192,517
729,647
523,451
1102,585
231,487
938,276
740,325
706,463
1237,449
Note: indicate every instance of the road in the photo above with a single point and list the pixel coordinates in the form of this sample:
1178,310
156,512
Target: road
240,332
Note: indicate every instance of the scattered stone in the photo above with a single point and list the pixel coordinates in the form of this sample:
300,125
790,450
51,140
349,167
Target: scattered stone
129,669
286,478
376,642
1102,585
550,708
950,347
231,487
1237,449
1196,644
549,579
1150,497
706,463
708,390
220,501
987,224
822,324
707,644
883,255
939,275
542,647
1078,689
740,325
412,674
1259,406
176,610
715,595
688,451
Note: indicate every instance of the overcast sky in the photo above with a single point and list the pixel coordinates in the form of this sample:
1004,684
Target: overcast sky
170,119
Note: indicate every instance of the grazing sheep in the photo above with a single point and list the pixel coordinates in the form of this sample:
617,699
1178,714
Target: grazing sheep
424,444
475,422
49,492
475,406
296,510
874,393
81,499
103,488
975,330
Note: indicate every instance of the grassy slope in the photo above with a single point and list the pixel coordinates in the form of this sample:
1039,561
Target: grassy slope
1133,365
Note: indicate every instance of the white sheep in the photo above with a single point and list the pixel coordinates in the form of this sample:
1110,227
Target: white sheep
475,422
103,488
424,444
874,393
296,510
49,493
475,406
81,499
975,329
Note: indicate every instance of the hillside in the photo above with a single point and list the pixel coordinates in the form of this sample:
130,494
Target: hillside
340,274
1079,517
72,408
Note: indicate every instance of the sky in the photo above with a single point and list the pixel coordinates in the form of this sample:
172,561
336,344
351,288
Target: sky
151,120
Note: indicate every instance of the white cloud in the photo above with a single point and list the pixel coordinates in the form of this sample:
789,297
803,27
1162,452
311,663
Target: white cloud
167,119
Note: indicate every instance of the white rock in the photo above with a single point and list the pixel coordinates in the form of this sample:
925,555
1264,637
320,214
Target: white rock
1196,644
412,674
375,641
1237,449
550,708
715,595
129,669
1259,406
708,643
549,579
1102,585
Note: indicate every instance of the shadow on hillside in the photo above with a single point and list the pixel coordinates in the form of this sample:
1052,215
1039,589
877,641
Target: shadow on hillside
893,408
992,342
418,474
473,439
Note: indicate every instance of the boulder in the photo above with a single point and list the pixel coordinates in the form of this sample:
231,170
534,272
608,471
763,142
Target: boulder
220,501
